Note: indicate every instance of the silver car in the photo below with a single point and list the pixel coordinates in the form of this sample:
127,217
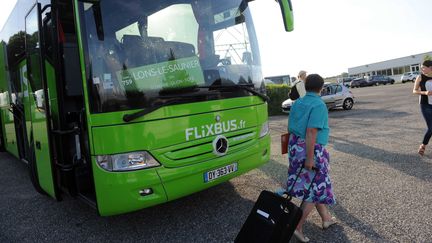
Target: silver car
334,96
409,76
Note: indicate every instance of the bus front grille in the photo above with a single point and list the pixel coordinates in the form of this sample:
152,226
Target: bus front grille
202,150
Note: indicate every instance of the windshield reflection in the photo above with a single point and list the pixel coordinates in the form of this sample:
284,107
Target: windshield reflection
138,49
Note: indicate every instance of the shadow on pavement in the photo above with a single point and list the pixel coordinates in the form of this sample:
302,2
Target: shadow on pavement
406,163
354,223
212,215
278,172
371,113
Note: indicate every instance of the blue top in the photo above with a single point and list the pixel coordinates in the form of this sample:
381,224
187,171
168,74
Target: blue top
309,111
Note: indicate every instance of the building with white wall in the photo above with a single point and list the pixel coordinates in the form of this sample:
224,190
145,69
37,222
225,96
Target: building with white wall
394,67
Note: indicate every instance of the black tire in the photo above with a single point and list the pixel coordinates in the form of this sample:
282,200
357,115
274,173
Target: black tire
32,167
348,104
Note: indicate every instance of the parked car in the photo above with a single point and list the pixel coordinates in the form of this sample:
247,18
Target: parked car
333,95
379,79
346,81
409,76
360,82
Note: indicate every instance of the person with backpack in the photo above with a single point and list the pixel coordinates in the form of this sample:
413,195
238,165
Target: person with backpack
298,89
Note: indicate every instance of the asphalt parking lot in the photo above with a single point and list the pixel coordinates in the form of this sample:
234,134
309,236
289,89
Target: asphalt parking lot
383,188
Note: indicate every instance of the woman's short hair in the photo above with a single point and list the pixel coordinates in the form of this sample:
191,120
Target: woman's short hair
427,63
314,83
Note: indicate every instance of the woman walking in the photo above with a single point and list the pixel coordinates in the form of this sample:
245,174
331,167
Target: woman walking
423,87
309,132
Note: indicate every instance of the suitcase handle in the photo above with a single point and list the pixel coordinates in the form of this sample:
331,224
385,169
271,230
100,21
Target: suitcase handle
287,195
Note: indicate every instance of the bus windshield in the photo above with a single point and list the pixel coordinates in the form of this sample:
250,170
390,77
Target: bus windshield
138,51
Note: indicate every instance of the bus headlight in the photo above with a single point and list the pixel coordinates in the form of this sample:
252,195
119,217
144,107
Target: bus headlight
127,161
264,129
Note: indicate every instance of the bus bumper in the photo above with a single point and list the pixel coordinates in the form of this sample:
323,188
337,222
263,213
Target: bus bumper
179,182
119,192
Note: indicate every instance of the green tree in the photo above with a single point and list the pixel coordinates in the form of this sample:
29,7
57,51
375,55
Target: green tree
16,47
427,57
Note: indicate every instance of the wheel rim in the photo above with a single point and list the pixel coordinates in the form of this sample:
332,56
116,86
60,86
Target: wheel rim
348,104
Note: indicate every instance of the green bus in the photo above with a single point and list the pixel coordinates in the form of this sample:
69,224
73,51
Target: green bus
129,104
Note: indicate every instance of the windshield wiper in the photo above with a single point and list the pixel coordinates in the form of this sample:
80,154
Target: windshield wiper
173,97
246,87
184,97
253,91
143,112
196,88
179,90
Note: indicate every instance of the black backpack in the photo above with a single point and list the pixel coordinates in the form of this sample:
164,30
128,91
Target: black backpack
293,94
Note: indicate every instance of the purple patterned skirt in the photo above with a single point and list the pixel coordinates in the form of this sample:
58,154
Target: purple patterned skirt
321,190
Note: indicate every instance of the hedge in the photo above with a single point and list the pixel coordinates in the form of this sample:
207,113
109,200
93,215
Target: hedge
277,94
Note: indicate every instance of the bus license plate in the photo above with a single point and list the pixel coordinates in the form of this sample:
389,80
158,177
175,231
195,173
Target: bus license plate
219,172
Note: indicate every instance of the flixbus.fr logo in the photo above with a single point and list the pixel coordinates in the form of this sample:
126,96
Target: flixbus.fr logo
213,129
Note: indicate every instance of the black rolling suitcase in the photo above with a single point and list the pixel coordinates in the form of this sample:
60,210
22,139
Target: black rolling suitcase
272,219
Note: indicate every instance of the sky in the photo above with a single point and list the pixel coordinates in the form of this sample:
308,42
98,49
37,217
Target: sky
333,35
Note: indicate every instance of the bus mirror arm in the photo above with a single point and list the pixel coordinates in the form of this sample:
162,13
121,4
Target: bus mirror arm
287,14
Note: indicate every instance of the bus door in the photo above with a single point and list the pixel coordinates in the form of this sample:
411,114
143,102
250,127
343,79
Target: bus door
4,104
40,162
16,116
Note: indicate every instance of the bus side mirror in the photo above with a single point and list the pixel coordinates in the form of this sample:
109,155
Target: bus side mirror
287,14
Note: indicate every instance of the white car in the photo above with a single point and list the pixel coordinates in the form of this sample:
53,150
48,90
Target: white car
409,76
334,96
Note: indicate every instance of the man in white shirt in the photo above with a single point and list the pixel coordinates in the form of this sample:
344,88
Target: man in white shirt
300,83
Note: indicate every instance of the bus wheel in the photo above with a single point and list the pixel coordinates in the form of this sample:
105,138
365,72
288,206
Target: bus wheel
33,171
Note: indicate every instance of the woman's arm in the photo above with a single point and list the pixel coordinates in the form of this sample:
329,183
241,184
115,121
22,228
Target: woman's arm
417,90
311,134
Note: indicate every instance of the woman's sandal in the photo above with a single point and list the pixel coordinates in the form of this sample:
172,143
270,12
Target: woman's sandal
300,237
328,223
422,149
